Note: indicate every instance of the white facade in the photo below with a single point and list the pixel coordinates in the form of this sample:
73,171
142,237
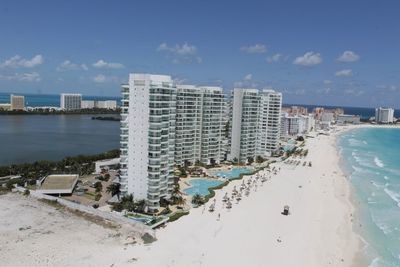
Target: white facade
199,124
87,104
256,119
345,119
70,101
270,118
384,115
106,104
148,137
328,117
297,125
245,121
17,102
212,123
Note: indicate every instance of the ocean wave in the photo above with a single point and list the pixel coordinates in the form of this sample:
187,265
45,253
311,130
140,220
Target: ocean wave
385,177
384,227
374,263
393,195
365,142
379,162
355,142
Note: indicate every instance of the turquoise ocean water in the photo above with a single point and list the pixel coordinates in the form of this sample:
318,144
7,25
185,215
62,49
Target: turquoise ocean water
371,156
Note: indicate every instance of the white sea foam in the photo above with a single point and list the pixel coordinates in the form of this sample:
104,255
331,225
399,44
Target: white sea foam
365,142
384,228
355,142
385,177
393,195
378,162
374,263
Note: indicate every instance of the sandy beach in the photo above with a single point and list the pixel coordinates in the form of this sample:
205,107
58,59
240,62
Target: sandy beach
318,232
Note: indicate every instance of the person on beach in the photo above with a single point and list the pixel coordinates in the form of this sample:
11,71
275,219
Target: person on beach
219,216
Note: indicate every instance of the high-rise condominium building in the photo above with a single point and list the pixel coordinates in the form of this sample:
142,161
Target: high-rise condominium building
148,137
384,115
256,118
17,102
70,101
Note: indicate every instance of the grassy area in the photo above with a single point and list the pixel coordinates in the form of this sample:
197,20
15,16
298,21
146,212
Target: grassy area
177,215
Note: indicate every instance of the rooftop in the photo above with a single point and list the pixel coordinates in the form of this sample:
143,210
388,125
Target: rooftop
59,184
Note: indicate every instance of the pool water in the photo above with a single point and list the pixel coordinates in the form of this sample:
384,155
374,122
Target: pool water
200,186
233,173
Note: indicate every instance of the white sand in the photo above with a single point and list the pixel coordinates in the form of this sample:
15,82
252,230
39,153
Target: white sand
317,233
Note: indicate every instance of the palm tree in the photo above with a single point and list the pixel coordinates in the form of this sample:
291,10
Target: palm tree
180,201
114,189
140,205
197,200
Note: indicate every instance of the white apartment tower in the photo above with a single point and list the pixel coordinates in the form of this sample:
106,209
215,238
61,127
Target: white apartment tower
270,119
384,115
148,137
245,123
212,124
256,119
70,101
199,124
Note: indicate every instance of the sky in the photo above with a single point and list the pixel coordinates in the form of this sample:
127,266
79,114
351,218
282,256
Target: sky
343,53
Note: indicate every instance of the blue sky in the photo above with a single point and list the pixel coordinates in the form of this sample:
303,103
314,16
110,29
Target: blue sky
316,52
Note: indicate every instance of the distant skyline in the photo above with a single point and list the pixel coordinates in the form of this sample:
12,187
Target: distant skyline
340,53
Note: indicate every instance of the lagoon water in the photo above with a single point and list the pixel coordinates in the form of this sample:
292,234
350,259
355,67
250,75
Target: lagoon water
372,158
26,138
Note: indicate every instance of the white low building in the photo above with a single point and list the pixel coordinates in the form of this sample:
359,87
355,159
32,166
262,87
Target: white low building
347,119
297,125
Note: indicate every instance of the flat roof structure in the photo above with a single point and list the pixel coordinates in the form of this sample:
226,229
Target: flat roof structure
58,184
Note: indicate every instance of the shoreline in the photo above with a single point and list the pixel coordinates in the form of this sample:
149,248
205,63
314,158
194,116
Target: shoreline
361,257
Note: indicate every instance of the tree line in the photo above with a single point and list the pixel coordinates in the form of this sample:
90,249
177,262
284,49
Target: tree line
80,164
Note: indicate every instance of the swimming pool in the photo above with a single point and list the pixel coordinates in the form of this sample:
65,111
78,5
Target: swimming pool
200,186
232,173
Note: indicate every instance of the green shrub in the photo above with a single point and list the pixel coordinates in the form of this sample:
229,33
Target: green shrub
97,197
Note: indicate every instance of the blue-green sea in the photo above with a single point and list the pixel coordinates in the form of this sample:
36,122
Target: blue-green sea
371,156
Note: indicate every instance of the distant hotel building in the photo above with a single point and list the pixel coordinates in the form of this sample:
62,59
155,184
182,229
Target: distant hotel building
106,104
256,118
384,115
70,101
17,102
347,119
296,125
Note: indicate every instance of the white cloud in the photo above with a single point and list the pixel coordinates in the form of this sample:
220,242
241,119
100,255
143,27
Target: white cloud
274,58
257,48
327,81
101,64
353,92
309,59
180,53
100,78
18,62
24,77
68,65
248,77
344,73
348,56
324,91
